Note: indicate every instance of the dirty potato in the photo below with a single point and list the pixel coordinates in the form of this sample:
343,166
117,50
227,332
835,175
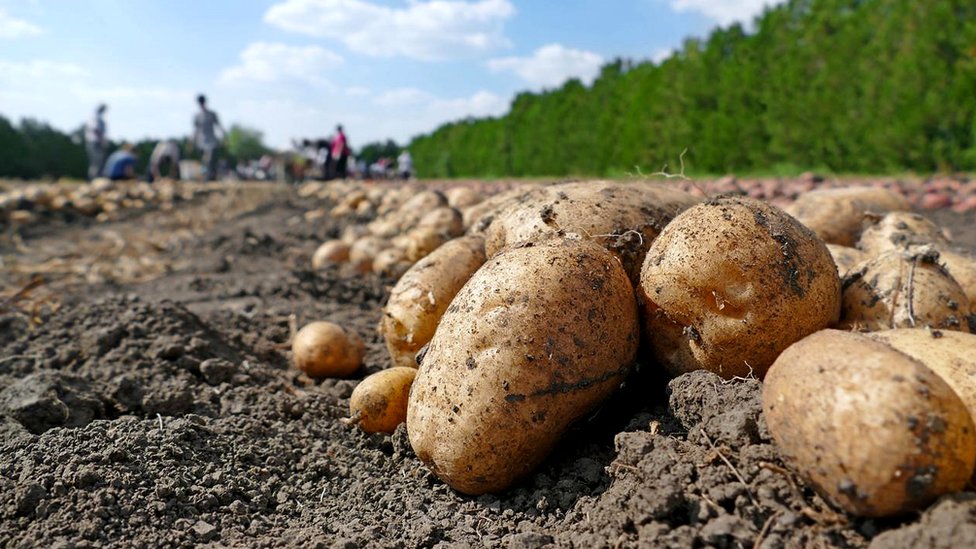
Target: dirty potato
622,217
423,293
837,215
846,257
732,282
536,339
872,429
899,231
903,290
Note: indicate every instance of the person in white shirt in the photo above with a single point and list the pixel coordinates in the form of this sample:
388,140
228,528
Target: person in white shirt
96,142
205,126
405,165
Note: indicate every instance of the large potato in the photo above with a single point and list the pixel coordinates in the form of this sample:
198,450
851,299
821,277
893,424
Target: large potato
903,290
732,282
622,217
423,293
872,429
836,215
536,339
950,354
962,267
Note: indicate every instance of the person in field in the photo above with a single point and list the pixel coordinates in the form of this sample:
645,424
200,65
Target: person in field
340,153
165,156
96,141
405,165
205,127
121,164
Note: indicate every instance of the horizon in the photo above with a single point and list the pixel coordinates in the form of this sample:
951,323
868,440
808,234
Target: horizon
385,69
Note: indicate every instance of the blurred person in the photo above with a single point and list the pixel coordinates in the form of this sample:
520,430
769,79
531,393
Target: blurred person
165,155
405,165
340,153
95,141
323,157
121,164
205,126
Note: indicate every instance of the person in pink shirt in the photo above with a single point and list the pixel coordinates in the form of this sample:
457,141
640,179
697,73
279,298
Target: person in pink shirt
340,153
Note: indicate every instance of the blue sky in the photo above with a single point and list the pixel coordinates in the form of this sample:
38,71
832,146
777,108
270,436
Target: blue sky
295,68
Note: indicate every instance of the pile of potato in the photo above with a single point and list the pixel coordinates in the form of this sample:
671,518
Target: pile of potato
100,199
529,308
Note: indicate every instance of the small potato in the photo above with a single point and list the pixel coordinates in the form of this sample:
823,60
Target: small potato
732,282
899,231
462,197
423,241
324,349
330,251
837,215
379,403
478,217
364,251
536,339
352,233
447,221
384,227
391,262
873,430
903,290
950,354
845,257
423,293
962,267
411,212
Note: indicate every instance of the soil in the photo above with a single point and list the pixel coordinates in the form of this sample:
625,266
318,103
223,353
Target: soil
146,400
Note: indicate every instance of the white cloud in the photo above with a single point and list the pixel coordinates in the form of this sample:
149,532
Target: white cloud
661,55
272,62
402,97
551,65
428,30
38,69
357,91
725,12
11,27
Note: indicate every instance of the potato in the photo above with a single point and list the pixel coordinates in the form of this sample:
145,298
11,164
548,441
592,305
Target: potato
950,354
423,241
364,251
462,197
899,231
447,221
324,349
410,213
962,267
836,215
330,251
391,262
622,217
536,339
379,403
846,257
384,227
352,233
903,290
732,282
871,429
420,297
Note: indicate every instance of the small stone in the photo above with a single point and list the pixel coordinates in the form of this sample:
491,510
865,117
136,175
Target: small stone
204,530
217,370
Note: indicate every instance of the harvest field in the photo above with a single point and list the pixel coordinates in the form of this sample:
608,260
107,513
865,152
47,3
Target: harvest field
148,396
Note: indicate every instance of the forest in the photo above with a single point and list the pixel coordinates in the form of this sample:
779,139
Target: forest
840,86
837,86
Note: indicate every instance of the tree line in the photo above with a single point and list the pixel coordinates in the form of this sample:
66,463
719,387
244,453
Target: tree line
833,85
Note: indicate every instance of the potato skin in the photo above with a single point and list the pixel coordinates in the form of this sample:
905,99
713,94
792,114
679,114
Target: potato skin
423,293
324,349
899,231
536,339
837,215
622,217
903,290
379,402
950,354
872,429
732,282
330,251
846,257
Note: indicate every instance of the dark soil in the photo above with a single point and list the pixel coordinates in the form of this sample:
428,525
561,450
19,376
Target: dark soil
164,412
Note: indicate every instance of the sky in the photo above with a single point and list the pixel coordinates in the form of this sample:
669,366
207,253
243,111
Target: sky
296,68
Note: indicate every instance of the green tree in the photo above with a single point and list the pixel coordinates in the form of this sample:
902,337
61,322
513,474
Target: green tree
244,143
